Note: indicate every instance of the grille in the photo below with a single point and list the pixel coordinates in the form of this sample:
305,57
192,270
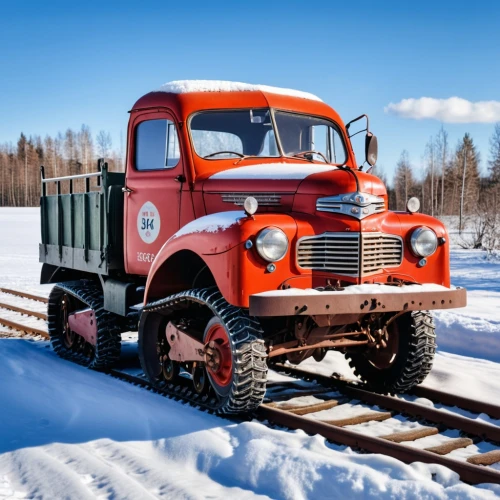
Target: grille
350,254
333,252
264,199
380,251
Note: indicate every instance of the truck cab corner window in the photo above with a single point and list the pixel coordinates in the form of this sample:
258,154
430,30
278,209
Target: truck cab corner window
156,145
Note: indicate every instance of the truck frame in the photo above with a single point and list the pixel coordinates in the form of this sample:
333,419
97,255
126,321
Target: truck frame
243,232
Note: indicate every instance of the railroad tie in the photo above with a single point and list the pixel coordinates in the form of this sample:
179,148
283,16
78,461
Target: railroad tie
488,458
412,435
305,409
373,416
449,446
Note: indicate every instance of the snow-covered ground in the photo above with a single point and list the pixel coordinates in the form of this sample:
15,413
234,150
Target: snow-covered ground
67,432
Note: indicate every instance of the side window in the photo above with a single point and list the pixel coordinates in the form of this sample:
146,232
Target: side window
156,145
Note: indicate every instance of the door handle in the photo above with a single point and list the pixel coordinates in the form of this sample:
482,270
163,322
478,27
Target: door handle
180,178
127,190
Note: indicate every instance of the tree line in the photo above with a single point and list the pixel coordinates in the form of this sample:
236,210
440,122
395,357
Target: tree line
451,179
74,152
451,183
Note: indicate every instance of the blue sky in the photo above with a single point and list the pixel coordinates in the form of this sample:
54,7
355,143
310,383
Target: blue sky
65,64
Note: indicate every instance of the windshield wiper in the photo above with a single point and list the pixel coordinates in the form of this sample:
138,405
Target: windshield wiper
225,152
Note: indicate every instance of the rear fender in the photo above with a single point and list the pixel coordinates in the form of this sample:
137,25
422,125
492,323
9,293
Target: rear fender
211,251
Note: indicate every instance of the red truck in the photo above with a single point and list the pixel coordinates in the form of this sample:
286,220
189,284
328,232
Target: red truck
242,230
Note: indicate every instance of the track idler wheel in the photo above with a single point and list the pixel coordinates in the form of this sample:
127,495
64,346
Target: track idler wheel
170,369
200,380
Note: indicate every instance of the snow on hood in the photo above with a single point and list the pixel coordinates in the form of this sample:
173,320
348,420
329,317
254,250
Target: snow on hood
212,223
187,86
273,171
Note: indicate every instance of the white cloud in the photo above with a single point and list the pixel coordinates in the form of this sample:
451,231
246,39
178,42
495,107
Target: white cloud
452,110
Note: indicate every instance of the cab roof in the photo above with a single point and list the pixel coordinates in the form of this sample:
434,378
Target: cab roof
184,97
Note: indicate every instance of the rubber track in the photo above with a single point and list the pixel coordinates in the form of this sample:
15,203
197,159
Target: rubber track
422,349
107,349
249,350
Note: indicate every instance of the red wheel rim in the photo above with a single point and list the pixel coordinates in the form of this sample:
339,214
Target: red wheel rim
219,341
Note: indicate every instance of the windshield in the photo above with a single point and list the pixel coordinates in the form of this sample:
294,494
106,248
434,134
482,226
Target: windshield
310,134
229,134
250,132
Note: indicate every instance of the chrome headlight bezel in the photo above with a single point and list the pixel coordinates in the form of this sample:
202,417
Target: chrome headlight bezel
263,238
416,241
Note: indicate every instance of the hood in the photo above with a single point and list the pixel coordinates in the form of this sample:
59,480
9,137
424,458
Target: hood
274,185
335,182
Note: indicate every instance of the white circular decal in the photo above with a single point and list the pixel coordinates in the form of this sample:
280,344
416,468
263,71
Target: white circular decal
148,222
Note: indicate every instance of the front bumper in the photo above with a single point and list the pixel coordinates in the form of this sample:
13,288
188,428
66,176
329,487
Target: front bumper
357,299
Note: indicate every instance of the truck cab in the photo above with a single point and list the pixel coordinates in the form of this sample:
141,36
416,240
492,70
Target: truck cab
249,234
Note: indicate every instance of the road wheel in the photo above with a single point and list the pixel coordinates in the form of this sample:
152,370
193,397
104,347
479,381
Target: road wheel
406,359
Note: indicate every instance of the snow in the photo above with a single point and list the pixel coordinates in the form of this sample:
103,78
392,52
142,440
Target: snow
68,432
372,288
188,86
273,171
212,223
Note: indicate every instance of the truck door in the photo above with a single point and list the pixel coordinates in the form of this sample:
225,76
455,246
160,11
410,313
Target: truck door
152,188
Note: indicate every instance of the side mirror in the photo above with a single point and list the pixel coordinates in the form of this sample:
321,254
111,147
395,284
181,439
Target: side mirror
371,149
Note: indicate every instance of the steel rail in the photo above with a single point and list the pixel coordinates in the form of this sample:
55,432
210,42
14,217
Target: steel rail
464,424
460,401
35,314
473,474
23,328
25,295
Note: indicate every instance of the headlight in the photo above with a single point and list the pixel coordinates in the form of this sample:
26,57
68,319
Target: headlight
272,244
423,242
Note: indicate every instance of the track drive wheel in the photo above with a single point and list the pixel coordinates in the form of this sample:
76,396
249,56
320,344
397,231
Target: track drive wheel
77,296
235,353
405,361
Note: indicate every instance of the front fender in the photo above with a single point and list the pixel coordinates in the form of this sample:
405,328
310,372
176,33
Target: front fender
218,242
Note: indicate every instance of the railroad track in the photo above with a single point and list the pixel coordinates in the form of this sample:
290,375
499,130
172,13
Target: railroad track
21,311
309,403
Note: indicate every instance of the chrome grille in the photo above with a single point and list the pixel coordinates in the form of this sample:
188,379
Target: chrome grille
380,251
333,252
264,199
350,254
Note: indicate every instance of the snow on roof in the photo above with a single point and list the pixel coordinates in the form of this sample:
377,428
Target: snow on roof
187,86
273,171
